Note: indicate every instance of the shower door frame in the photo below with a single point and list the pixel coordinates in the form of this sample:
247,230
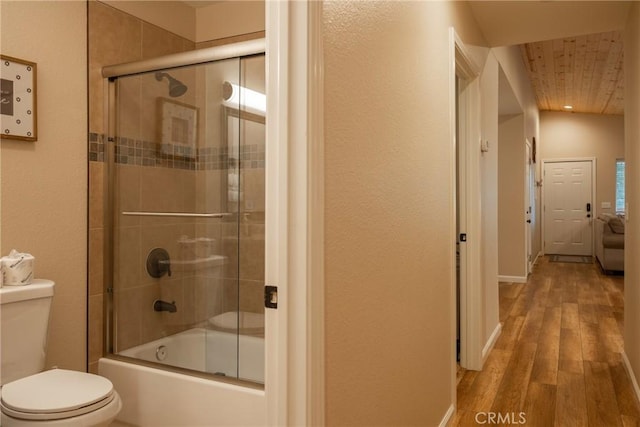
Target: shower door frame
111,74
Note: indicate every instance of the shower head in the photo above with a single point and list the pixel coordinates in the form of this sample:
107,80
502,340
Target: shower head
176,87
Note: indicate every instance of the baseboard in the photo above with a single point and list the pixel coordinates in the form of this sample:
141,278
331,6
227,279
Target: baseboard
512,279
627,365
447,416
491,342
536,258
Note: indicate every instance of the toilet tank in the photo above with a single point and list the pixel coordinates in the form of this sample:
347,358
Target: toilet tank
24,321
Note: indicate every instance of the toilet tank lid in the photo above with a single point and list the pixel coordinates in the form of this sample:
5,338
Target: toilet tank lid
39,288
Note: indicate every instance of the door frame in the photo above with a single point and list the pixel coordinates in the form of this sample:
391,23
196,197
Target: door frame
294,197
528,206
594,214
471,295
531,182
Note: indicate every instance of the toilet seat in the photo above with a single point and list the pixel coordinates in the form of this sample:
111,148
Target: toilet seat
55,395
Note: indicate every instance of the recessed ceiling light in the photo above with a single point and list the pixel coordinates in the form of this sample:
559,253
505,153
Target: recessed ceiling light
568,107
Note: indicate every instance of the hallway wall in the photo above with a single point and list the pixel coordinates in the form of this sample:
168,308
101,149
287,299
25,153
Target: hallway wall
511,174
514,69
389,229
632,158
489,194
507,60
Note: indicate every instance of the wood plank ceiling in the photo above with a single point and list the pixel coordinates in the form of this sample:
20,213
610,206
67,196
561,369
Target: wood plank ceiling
585,72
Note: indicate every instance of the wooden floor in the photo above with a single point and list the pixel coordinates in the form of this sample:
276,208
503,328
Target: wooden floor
558,360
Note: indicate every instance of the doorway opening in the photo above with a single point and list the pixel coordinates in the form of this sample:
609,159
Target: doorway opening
460,213
466,266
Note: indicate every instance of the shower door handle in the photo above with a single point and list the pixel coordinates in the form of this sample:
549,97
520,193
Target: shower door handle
178,214
271,296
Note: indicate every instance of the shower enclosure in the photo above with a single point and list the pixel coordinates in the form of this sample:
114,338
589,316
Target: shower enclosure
186,210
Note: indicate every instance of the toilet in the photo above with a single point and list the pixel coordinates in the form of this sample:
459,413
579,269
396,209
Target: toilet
31,397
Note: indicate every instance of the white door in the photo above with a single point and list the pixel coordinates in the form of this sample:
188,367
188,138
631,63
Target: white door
568,208
461,221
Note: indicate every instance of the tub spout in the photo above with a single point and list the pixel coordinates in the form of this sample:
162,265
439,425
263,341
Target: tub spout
159,305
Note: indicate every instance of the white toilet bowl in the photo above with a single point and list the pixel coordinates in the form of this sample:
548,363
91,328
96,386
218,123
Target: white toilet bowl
59,398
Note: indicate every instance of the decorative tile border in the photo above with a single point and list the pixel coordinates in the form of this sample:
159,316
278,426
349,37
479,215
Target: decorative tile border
96,147
152,154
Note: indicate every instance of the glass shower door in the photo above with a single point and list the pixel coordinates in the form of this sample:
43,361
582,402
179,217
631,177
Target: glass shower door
243,125
182,209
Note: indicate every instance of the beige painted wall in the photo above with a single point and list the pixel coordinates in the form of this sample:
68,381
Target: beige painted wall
511,173
564,135
174,16
632,157
514,69
44,183
509,62
229,18
217,21
524,18
389,236
489,202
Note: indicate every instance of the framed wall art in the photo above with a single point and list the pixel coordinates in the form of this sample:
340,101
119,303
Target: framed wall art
178,128
18,107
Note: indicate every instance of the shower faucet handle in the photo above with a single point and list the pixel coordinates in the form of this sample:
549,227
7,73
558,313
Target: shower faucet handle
158,263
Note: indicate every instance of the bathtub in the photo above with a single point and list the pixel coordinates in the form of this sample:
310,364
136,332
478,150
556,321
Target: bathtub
156,397
208,351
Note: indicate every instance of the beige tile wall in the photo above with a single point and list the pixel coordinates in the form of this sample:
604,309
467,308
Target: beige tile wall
199,293
116,37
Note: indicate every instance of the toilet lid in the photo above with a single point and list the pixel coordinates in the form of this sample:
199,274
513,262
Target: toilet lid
58,393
